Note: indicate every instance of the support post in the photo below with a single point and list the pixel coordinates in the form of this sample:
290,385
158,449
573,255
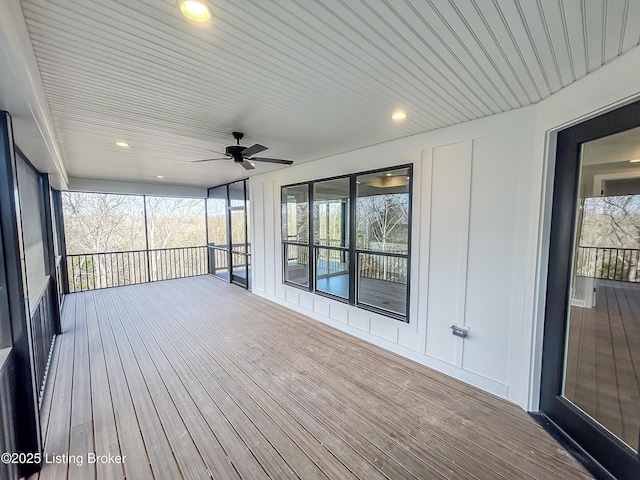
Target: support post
146,238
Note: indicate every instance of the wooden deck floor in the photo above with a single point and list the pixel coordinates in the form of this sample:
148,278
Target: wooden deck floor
603,361
196,379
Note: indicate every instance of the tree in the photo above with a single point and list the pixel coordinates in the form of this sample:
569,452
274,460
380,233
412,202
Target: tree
383,222
106,238
610,238
102,223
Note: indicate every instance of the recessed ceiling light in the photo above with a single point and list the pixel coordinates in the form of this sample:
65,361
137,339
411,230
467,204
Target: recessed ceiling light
195,10
635,160
397,116
159,176
122,144
252,163
388,174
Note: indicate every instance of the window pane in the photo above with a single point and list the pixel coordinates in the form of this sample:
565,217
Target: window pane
296,265
295,213
382,282
236,194
332,271
382,211
605,289
248,211
331,213
237,230
217,215
31,213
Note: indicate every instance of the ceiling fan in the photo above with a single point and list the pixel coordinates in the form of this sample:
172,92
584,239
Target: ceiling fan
243,155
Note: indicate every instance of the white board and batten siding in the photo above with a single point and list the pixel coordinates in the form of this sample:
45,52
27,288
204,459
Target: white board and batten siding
462,271
480,228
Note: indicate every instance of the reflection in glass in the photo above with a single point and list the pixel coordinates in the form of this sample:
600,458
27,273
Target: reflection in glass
382,282
332,271
296,265
331,213
295,214
382,211
382,216
602,353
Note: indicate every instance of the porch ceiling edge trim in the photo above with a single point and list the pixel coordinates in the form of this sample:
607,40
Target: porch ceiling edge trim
16,44
134,188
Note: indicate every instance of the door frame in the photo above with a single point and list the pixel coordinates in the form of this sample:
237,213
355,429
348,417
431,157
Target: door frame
594,439
228,248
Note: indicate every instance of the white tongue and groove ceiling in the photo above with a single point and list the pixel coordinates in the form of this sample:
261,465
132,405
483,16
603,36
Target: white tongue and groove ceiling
308,79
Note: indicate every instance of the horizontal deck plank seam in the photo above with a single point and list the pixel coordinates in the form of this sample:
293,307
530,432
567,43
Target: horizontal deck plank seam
293,381
192,302
193,361
178,376
265,307
381,452
182,452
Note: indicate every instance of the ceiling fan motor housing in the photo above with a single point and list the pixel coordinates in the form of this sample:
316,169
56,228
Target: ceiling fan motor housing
235,151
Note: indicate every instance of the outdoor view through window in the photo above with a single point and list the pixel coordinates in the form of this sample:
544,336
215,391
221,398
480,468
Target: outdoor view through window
602,358
348,238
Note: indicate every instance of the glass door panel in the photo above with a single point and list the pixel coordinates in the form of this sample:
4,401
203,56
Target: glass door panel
589,388
228,234
602,350
217,231
239,244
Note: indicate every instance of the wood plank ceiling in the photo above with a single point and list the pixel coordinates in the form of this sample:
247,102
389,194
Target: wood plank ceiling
306,78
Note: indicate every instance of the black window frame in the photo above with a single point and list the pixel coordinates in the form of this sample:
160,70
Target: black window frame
353,252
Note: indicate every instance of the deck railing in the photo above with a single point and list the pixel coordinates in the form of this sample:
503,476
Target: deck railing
219,256
89,271
620,264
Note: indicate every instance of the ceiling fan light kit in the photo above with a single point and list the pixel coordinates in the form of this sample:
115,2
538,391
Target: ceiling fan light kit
244,155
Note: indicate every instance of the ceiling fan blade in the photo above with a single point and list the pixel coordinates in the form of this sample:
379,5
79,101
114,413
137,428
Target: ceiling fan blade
252,150
209,159
272,160
247,165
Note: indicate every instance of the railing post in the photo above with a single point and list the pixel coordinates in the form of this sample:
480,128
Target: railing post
146,238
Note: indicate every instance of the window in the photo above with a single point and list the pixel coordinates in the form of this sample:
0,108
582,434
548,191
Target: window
331,236
359,246
382,216
295,234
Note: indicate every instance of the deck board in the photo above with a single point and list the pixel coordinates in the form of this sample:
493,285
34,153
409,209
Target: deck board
196,378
